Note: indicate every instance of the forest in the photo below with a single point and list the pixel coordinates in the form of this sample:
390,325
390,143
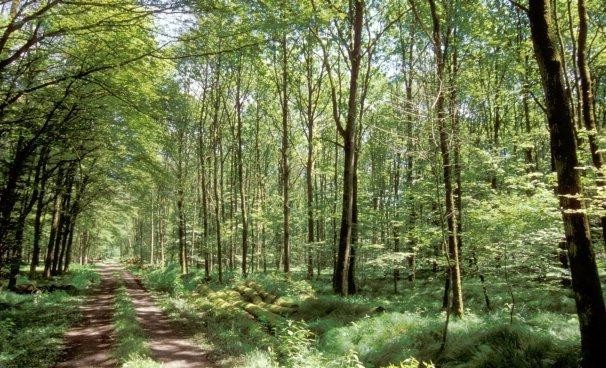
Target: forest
302,183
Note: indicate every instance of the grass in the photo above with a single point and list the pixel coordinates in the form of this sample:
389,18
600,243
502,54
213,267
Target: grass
32,326
131,348
323,330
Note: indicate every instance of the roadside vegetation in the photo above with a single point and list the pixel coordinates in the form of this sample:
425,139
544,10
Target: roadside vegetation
34,319
269,321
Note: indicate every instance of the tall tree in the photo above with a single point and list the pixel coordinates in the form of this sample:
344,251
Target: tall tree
585,280
450,208
284,151
348,135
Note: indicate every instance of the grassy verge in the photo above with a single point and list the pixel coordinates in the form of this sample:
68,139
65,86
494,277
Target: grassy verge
131,349
32,325
268,321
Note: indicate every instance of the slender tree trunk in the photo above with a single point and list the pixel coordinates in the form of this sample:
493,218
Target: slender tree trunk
528,150
62,234
585,280
335,234
451,218
285,165
15,255
454,115
60,245
216,159
162,233
181,225
152,234
70,240
396,226
309,172
409,154
40,205
309,167
344,254
52,238
240,169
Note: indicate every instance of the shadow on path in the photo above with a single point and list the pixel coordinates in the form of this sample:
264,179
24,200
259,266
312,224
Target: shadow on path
167,344
89,344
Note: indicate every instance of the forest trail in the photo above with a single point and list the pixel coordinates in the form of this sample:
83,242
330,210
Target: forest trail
90,343
167,344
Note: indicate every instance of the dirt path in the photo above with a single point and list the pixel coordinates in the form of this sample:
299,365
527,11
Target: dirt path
168,345
90,344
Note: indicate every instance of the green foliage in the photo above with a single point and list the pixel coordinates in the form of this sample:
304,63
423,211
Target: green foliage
517,345
277,283
330,331
472,342
412,363
82,277
131,349
163,279
32,326
296,345
260,359
141,362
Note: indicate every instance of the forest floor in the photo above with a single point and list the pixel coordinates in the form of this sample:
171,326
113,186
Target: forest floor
92,342
270,321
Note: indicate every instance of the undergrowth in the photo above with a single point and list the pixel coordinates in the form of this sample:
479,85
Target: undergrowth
32,325
306,326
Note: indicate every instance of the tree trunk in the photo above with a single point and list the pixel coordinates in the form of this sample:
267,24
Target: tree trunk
342,271
396,226
454,115
62,234
216,159
309,167
451,218
240,169
285,165
9,196
585,280
52,238
181,227
152,235
40,205
70,240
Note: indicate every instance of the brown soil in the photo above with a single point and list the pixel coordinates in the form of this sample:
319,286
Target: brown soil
90,344
167,343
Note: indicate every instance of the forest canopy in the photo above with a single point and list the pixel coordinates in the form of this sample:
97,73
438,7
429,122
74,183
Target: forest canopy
415,168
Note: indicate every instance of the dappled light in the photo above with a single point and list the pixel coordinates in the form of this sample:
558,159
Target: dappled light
302,183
